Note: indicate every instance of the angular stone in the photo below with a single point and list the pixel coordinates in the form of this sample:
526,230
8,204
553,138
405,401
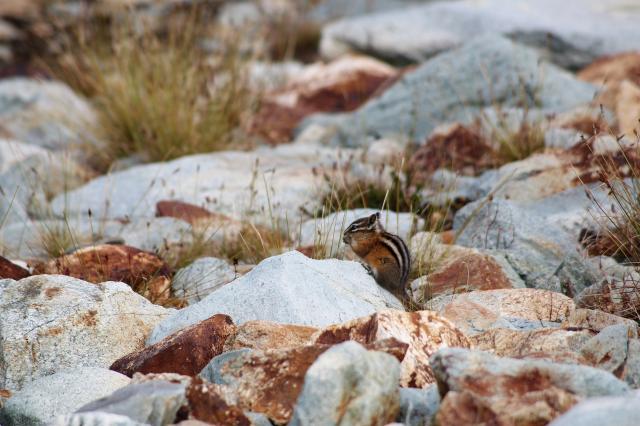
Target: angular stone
615,349
553,344
480,387
155,402
292,289
349,385
201,278
262,335
145,272
50,322
595,320
206,405
10,270
518,309
424,332
184,352
62,393
270,381
184,211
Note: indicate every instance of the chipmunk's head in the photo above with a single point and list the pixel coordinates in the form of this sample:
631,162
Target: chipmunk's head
362,230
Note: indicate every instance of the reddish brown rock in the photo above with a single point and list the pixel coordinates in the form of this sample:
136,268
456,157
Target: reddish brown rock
8,269
460,148
460,270
342,85
478,311
145,272
184,211
423,331
207,405
263,335
553,344
270,381
185,352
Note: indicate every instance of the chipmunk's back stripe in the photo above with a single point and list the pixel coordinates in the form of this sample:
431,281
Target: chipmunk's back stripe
400,251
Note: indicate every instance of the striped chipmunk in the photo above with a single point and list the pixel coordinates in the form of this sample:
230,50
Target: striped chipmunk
385,255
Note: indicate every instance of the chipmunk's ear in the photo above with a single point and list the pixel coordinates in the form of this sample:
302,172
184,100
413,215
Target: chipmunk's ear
373,220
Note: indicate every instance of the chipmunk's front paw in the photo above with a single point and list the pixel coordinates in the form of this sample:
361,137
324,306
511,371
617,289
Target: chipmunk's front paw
368,269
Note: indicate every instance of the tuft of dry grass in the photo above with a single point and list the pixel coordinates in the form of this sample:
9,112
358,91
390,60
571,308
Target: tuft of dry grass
514,144
158,96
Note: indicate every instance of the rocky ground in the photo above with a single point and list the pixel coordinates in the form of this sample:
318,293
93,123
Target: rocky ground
499,139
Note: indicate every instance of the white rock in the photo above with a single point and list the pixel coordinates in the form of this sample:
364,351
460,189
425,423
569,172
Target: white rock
201,278
327,232
62,393
50,323
291,289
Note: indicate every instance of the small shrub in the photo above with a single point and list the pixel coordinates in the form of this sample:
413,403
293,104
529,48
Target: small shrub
158,96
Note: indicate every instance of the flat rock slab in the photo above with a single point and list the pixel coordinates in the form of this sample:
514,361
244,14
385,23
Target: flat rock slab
221,182
262,335
290,289
519,309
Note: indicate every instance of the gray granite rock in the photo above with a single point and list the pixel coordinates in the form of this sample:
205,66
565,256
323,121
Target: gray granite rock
564,32
155,402
62,393
196,281
348,385
50,323
94,419
290,288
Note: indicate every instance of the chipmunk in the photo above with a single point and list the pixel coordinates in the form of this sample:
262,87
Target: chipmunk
385,256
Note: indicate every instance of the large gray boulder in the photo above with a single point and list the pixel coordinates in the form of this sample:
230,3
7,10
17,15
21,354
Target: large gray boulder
253,185
348,385
94,419
456,86
62,393
50,323
534,243
291,289
566,30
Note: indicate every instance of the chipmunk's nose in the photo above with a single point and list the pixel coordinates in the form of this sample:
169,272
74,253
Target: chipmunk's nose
346,238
